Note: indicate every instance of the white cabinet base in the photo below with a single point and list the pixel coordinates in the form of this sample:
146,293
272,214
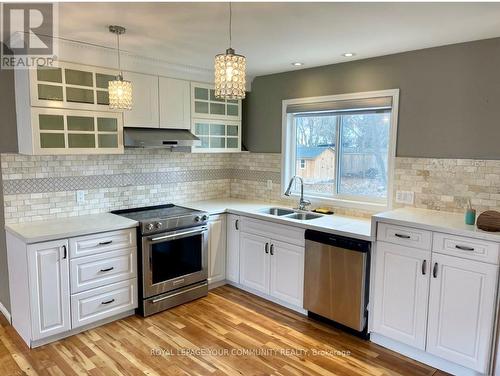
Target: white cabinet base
422,356
268,297
80,329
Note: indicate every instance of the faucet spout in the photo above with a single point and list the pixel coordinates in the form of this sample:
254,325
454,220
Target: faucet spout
302,203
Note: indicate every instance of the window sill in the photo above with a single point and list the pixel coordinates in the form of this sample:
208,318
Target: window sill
373,207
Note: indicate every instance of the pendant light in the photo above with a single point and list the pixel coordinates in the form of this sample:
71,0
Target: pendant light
120,90
230,71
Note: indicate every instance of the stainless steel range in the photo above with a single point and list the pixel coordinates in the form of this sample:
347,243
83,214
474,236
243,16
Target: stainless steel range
172,255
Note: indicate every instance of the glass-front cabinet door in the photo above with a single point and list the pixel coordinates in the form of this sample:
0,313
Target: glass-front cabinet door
205,105
71,86
217,136
60,131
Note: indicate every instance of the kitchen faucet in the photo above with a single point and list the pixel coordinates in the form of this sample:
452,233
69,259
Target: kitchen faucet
302,203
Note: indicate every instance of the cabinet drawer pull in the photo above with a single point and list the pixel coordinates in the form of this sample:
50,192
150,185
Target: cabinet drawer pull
402,236
464,248
107,269
435,270
272,249
106,243
65,252
267,248
424,267
108,302
236,224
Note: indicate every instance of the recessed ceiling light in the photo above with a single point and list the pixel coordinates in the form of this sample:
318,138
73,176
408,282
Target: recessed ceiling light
297,64
348,54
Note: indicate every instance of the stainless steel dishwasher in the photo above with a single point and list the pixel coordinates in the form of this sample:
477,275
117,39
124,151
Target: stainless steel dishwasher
336,278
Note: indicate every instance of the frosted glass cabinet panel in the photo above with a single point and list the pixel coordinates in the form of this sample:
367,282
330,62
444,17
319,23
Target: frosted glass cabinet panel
217,136
60,131
71,86
205,105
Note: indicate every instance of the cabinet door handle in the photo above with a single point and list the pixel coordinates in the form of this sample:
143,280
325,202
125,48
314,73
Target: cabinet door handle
424,266
106,243
108,301
107,269
464,248
435,270
267,247
402,236
272,249
65,252
236,224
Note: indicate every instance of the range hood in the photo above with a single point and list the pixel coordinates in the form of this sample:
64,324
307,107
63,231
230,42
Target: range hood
159,138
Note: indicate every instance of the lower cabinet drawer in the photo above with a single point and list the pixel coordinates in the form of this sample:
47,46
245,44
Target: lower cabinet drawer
97,304
102,269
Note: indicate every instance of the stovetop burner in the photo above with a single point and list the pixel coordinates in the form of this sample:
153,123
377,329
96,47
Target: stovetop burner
161,218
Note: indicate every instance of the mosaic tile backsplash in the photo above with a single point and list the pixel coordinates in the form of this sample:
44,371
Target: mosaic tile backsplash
43,187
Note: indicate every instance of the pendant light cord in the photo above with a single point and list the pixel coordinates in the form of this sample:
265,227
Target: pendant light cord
119,61
230,25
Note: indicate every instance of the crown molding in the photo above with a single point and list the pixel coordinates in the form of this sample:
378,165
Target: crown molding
89,54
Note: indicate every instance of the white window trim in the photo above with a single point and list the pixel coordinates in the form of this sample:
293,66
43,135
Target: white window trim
287,139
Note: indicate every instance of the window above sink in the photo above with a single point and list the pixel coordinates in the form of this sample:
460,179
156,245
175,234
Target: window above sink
343,147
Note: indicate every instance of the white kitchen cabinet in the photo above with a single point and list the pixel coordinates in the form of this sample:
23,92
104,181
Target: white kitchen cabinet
144,112
205,105
217,136
287,272
272,261
216,248
48,266
61,287
461,310
61,131
233,248
175,103
254,262
401,293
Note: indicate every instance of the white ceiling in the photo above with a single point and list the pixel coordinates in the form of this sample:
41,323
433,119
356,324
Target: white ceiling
273,35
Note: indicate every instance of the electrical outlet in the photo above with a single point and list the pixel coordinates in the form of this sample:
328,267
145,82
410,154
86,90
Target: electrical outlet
405,197
80,197
270,185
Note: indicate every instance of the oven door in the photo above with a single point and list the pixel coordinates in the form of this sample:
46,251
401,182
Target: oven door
174,259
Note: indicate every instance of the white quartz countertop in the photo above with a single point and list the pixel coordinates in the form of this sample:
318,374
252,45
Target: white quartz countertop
433,220
354,227
39,231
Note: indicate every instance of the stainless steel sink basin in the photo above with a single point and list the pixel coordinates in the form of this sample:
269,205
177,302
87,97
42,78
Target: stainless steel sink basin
303,216
277,211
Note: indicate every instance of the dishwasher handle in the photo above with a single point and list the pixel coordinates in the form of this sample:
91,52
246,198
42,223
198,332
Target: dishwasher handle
338,241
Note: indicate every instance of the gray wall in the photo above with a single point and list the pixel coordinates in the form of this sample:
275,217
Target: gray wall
449,99
8,144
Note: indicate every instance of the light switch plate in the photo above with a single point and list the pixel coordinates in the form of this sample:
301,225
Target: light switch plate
80,197
405,197
270,185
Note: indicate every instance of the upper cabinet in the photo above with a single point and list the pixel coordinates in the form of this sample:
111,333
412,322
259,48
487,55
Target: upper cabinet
217,122
65,110
70,86
205,105
144,112
175,103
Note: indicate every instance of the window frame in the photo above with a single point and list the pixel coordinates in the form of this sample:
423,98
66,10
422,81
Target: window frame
288,151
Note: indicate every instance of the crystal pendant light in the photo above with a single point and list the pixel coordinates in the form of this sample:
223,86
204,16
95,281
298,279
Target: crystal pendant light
120,90
230,71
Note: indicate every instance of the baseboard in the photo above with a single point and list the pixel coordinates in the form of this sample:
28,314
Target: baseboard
6,313
213,285
422,356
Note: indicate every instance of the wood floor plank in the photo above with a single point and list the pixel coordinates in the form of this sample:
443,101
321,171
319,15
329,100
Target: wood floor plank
229,332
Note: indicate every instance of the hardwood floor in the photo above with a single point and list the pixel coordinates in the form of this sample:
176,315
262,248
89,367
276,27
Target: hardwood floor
229,332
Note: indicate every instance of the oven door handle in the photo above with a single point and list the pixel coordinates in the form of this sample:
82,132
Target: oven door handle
170,236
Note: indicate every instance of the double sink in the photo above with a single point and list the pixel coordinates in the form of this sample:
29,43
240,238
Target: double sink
290,214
